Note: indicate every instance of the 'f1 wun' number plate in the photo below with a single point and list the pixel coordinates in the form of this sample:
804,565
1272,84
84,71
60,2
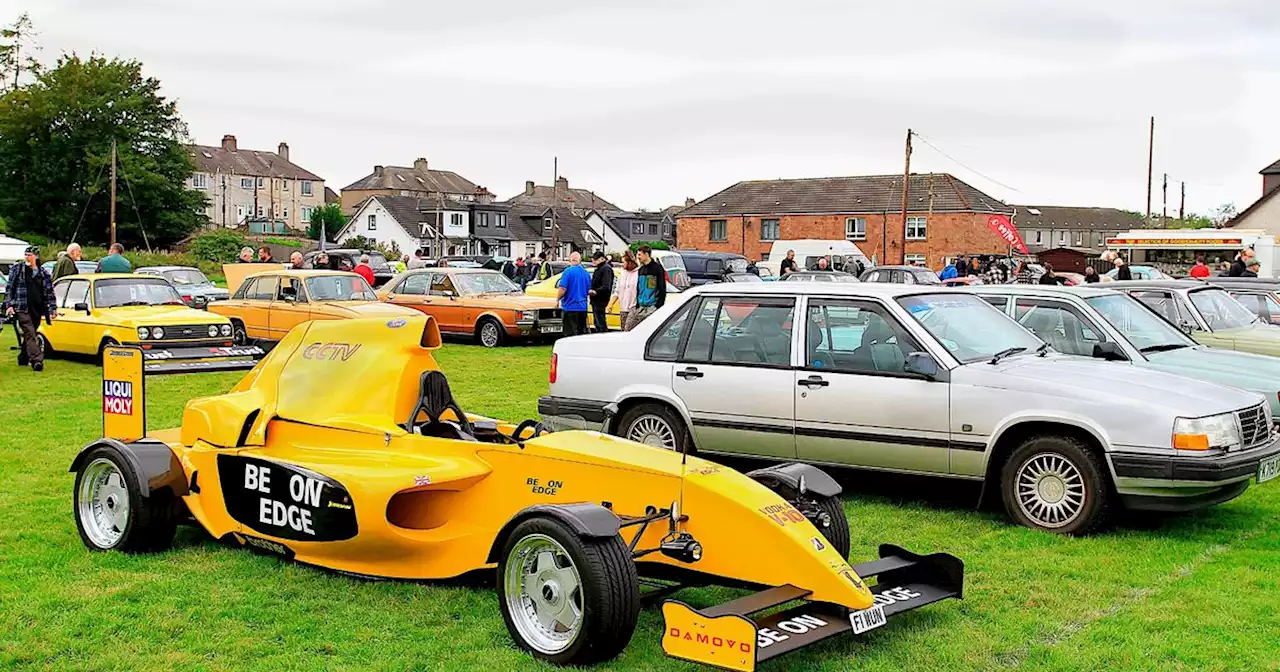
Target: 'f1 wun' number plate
867,619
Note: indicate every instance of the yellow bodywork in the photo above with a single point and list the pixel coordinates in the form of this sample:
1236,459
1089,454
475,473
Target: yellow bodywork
548,288
419,507
81,332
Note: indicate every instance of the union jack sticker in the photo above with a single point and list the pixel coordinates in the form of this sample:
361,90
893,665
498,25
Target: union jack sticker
421,480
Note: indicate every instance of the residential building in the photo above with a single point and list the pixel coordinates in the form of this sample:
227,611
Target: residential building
1045,227
246,185
669,215
558,231
561,195
611,230
417,181
438,226
1264,213
945,217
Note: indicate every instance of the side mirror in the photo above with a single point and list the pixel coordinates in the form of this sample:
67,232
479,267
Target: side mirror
449,294
1187,327
82,306
288,294
921,364
1108,351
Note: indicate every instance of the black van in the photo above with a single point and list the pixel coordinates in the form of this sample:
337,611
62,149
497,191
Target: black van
705,267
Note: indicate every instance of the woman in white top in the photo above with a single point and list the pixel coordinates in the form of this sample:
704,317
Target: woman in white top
627,285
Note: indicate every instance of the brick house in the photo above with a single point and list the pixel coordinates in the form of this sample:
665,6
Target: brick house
945,217
247,185
416,181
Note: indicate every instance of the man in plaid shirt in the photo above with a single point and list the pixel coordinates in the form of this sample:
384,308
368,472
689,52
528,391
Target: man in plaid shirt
30,298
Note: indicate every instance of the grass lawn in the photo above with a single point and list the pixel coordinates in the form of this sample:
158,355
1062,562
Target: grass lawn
1195,592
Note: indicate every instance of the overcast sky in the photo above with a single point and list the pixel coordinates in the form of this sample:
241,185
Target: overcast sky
649,102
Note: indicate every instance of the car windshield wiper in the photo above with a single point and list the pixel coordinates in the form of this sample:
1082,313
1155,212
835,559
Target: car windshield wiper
1043,349
135,303
1163,347
995,359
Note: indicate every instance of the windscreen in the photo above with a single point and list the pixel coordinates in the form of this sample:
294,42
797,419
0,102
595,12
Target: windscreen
1220,311
967,326
471,284
134,292
186,276
1147,331
339,288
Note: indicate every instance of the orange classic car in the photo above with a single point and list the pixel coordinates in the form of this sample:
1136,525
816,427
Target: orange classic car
476,302
268,304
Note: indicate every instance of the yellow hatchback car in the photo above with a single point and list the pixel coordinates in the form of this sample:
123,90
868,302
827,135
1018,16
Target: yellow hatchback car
549,288
145,311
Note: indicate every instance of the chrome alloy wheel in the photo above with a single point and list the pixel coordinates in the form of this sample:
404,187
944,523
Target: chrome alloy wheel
652,430
1050,490
489,335
544,594
103,503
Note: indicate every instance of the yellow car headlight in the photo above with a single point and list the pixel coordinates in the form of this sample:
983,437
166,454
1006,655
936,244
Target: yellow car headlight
143,333
157,332
213,331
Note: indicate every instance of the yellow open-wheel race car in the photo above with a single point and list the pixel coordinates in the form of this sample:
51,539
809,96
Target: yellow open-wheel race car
385,476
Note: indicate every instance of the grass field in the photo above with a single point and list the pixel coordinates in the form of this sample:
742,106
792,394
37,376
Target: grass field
1195,592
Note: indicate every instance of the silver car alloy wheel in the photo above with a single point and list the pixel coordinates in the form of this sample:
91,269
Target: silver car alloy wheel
652,430
1050,490
544,594
489,335
102,503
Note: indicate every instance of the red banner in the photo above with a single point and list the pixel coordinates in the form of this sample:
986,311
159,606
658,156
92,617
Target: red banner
1001,226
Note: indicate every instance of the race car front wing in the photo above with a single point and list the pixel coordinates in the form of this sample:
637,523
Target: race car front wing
726,636
193,359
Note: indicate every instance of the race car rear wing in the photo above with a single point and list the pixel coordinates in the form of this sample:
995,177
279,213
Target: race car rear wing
199,359
726,636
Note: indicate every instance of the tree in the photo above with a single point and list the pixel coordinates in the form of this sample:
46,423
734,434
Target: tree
55,147
1223,214
331,217
17,52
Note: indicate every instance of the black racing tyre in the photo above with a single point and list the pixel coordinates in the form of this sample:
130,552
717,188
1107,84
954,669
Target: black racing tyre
837,532
111,513
565,599
490,333
1057,484
656,425
239,335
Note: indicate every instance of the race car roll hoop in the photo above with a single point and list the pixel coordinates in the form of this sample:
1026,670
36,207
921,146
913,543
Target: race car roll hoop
398,482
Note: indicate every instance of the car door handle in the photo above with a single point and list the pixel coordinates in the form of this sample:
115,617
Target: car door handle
689,373
812,382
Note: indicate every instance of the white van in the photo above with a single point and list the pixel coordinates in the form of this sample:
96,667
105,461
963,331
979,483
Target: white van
843,255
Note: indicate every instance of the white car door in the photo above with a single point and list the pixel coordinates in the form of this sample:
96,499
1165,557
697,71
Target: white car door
734,375
854,402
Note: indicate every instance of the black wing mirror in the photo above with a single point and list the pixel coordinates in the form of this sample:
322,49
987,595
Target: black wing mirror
921,364
1108,351
82,306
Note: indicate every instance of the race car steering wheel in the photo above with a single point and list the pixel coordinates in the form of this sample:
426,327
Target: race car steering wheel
538,430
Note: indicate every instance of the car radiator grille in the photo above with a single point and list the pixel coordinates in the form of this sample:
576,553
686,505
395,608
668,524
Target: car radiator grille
1254,428
184,332
549,314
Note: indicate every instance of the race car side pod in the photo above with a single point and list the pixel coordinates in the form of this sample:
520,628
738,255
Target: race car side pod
726,636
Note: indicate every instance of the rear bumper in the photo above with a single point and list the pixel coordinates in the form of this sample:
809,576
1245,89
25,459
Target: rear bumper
1186,483
561,413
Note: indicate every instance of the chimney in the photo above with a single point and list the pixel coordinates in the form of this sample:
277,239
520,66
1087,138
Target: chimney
420,165
688,202
528,187
283,151
562,185
229,143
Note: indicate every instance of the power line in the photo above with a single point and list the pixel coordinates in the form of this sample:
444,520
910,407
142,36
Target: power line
86,204
134,199
961,164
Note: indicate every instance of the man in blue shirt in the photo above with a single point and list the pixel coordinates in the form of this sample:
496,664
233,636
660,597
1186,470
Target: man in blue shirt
573,286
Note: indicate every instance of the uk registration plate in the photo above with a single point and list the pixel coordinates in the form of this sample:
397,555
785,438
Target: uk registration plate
1269,469
550,329
867,619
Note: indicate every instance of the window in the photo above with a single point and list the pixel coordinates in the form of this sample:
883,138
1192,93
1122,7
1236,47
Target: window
546,223
917,259
242,211
653,228
964,325
482,219
719,229
199,181
456,219
1263,305
877,276
637,228
306,214
60,294
500,220
854,337
284,185
855,228
307,188
1039,237
666,228
1138,323
769,229
373,222
1059,325
77,291
1001,302
261,212
292,287
745,331
263,289
285,212
1062,237
260,183
1164,304
530,249
441,283
916,228
246,183
665,343
1079,240
415,284
1220,311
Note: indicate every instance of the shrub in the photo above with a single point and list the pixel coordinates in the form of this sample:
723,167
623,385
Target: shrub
218,246
283,242
653,245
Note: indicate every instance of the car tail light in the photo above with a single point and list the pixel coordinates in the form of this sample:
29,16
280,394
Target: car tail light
555,361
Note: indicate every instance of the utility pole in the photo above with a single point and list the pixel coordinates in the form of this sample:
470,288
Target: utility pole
439,225
1151,155
113,191
555,200
1164,202
906,188
1182,204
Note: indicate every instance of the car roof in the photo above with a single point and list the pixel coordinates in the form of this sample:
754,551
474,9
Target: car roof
300,273
851,289
1043,290
161,269
451,269
899,268
1243,283
709,253
1157,284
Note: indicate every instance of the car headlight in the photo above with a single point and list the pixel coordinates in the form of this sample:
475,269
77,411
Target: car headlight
157,332
213,331
143,333
529,315
1212,432
226,330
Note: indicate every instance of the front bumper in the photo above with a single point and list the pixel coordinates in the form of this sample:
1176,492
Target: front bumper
538,328
1169,482
187,358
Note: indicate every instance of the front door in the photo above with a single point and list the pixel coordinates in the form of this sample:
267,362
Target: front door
256,301
854,402
289,309
734,375
445,304
73,331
